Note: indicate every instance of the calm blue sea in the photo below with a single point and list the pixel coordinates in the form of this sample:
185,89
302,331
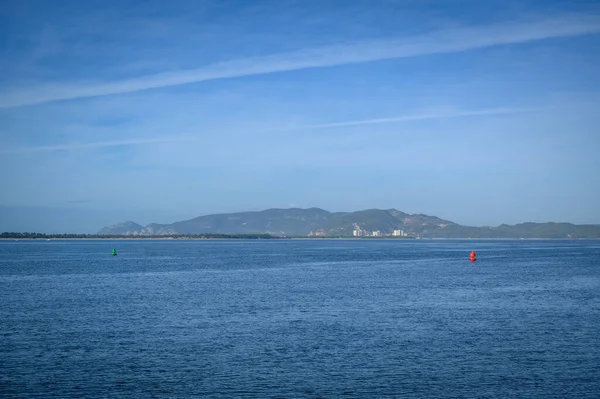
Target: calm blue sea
300,319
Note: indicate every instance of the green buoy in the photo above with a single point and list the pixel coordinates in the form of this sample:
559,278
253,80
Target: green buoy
114,252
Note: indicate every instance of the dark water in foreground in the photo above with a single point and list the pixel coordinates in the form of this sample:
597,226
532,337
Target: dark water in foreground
308,319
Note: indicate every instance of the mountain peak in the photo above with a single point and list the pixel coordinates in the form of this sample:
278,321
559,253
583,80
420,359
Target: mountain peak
125,228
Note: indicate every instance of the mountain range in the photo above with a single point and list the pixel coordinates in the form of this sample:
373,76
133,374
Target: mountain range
297,222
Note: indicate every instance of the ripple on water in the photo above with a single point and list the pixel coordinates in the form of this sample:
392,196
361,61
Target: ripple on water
300,319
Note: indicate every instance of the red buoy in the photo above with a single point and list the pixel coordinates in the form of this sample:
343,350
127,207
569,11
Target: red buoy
473,256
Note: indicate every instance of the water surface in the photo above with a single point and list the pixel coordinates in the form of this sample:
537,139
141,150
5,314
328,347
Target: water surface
308,319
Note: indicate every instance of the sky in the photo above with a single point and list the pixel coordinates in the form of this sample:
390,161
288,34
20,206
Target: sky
479,112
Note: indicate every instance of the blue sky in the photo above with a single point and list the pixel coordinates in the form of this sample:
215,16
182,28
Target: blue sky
480,112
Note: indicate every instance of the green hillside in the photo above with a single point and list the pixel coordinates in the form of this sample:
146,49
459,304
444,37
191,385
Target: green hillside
299,222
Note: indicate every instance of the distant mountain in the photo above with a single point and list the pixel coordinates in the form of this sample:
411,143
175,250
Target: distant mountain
125,228
318,222
291,222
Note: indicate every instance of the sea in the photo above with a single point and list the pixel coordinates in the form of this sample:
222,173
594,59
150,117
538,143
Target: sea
300,319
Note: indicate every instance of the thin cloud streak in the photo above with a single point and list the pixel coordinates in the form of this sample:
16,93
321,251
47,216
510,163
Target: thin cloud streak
447,41
96,144
116,143
485,112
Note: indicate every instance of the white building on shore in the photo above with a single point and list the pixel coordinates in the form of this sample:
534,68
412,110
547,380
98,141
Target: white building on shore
358,233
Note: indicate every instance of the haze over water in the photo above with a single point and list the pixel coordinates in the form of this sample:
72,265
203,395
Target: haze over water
307,319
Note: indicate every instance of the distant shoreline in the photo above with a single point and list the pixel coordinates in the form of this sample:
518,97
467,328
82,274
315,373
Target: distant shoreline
139,239
49,238
288,239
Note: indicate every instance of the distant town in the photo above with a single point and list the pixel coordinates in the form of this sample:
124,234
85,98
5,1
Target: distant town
358,232
377,233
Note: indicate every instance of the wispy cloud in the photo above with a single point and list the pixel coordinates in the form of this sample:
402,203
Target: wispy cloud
96,144
79,201
446,41
405,118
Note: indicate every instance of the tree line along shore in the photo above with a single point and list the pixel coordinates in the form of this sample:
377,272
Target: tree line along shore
41,236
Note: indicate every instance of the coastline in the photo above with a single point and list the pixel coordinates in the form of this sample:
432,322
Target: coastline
289,238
